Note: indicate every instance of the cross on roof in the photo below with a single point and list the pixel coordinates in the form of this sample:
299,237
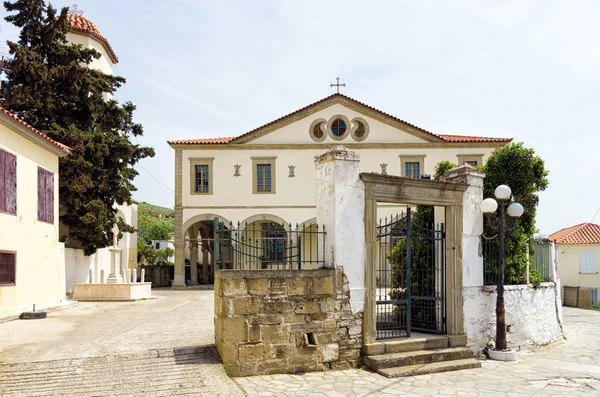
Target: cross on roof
338,85
75,11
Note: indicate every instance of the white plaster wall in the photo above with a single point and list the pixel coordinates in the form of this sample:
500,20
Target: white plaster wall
78,266
40,277
568,265
531,314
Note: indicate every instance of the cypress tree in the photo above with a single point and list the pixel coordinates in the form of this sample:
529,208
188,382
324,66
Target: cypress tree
50,86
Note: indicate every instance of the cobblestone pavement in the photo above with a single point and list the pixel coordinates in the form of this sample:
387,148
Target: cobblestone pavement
569,368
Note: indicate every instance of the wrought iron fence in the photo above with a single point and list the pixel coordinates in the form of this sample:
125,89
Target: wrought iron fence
539,271
269,245
542,260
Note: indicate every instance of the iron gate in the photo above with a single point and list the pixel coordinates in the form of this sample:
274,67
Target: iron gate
268,245
410,292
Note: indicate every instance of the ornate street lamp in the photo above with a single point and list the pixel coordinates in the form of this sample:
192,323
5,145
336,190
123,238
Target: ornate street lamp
515,210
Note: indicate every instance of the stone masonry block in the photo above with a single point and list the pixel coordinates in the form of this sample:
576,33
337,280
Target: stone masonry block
276,366
354,330
246,305
285,351
233,287
294,318
328,305
267,319
298,286
228,352
235,329
330,352
278,307
258,286
307,307
254,353
278,286
254,333
323,285
275,334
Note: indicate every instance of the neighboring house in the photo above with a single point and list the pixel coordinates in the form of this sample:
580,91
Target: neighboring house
31,258
266,177
578,255
78,265
161,245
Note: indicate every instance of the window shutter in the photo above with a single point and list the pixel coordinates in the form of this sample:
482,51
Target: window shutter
592,262
41,193
10,182
582,262
49,193
2,181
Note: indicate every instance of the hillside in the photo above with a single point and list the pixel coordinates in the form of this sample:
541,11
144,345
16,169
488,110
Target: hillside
154,223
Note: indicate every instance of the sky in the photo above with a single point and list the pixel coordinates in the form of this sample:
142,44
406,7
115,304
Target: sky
529,70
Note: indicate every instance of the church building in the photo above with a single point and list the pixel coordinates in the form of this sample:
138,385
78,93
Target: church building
265,178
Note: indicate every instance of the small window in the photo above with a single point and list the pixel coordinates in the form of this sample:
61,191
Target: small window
411,166
157,246
472,163
202,179
8,271
317,130
587,262
412,170
263,175
45,195
8,183
472,159
201,176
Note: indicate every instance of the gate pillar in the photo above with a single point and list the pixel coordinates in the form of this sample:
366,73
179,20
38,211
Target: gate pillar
464,226
341,209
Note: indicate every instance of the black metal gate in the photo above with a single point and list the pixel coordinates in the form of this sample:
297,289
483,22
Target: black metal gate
410,292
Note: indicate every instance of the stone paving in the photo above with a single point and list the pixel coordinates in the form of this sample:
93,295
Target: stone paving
568,368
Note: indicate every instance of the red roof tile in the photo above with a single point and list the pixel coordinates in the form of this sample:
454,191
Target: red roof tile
64,148
440,137
79,23
584,233
464,138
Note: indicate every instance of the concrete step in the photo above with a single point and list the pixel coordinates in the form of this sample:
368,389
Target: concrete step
427,342
429,368
416,357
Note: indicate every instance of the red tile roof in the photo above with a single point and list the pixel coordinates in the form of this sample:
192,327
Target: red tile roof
64,148
464,138
584,233
79,23
439,137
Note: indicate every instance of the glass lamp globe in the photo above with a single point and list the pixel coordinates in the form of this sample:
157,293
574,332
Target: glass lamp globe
502,192
515,210
489,205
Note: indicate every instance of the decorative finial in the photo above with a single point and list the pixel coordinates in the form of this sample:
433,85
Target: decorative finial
337,85
75,11
115,231
383,169
236,170
292,169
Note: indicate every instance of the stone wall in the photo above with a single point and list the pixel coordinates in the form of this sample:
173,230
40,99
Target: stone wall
531,315
285,321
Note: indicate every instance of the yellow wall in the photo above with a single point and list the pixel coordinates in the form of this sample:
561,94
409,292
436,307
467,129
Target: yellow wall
568,266
40,277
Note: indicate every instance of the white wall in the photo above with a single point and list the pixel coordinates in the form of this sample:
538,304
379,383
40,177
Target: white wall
103,63
531,314
568,265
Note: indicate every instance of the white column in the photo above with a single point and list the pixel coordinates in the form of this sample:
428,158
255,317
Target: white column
114,277
341,208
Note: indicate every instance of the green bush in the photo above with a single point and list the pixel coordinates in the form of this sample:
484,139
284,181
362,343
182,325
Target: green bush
596,306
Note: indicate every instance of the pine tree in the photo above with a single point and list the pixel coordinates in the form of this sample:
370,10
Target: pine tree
50,87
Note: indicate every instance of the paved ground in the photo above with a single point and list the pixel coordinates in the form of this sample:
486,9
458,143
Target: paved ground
177,319
161,347
569,368
164,347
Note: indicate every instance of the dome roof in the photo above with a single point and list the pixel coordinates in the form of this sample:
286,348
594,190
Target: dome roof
81,24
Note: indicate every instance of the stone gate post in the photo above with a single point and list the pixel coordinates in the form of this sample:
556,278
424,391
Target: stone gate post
341,209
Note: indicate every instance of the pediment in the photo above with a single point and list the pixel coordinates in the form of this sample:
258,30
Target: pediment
323,122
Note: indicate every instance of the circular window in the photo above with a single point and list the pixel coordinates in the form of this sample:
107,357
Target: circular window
338,127
360,129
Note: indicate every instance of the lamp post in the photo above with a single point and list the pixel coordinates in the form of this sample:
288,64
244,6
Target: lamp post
515,210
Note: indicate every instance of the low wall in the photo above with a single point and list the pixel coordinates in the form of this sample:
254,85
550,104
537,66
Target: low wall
531,315
285,321
159,276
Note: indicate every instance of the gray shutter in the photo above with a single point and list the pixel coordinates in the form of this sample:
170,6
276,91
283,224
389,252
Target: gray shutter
10,181
2,181
49,197
41,193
